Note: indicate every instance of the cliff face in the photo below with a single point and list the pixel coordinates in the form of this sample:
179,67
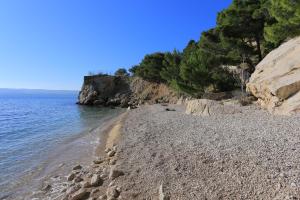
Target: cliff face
104,90
276,80
123,91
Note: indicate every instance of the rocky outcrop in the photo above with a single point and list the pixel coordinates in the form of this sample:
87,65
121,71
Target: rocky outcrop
104,90
276,80
151,93
205,107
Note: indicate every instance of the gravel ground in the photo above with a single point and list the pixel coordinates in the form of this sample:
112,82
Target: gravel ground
248,155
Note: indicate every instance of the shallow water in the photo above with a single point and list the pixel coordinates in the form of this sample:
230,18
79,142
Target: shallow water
39,130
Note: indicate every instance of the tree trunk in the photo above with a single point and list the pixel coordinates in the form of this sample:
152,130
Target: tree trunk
258,47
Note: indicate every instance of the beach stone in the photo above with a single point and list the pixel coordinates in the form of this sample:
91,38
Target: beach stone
162,195
98,161
112,192
80,195
86,184
112,162
73,189
47,188
107,150
95,191
102,197
78,179
71,177
114,148
96,180
103,176
112,183
77,167
115,173
111,153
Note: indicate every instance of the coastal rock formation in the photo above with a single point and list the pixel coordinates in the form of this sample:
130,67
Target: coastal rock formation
104,90
206,107
276,80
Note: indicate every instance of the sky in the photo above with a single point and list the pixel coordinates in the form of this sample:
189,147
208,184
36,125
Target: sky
52,44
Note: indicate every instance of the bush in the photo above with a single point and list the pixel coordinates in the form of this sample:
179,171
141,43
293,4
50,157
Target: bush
121,72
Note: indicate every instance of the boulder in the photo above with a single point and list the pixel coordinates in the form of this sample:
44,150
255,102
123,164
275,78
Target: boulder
111,153
77,167
96,180
103,90
80,195
71,177
113,192
115,173
276,79
205,107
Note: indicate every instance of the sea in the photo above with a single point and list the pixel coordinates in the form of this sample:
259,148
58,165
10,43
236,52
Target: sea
42,131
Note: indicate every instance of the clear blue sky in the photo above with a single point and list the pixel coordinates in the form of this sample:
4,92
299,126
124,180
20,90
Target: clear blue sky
52,44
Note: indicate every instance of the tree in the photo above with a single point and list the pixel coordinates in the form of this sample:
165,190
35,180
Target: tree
242,27
150,67
287,16
121,72
193,70
171,67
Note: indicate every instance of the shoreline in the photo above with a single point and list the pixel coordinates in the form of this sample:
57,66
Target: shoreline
107,136
156,153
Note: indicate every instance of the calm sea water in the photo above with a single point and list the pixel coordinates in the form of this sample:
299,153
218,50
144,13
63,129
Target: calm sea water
33,124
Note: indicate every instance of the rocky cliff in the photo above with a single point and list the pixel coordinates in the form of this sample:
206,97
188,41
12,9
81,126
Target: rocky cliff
276,80
121,91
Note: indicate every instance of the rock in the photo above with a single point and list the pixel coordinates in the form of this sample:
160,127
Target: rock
102,197
77,167
115,173
98,161
112,183
276,79
170,109
47,188
86,184
162,195
73,189
104,90
78,179
98,102
114,148
71,177
80,195
111,153
107,150
95,191
96,180
112,162
112,192
205,107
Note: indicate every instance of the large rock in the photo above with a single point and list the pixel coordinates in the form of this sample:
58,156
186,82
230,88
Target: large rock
104,90
205,107
276,80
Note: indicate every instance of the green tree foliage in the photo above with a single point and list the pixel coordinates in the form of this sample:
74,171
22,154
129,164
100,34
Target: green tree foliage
171,70
121,72
287,16
193,71
150,67
246,31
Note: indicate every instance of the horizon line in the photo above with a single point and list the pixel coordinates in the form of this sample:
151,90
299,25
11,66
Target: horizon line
39,89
